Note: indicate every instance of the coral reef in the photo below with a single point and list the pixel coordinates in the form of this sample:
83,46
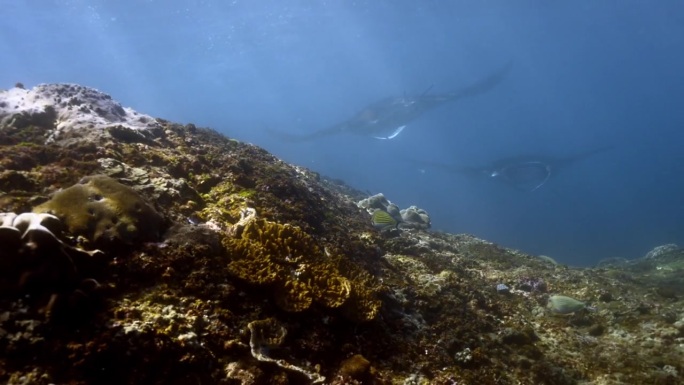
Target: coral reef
661,250
66,109
380,202
103,210
298,271
248,270
409,218
267,334
416,218
34,261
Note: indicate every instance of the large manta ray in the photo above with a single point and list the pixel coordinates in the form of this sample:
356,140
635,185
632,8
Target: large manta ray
387,118
524,172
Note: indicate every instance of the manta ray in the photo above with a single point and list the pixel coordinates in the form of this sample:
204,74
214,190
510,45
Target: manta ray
387,118
523,172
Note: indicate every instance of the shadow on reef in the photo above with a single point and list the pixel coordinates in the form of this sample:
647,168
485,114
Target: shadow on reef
135,250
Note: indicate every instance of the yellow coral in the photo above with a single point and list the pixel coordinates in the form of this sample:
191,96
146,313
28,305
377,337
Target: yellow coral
293,295
103,211
361,306
284,256
330,290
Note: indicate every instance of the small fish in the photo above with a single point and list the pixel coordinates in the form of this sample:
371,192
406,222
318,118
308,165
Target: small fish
382,220
560,304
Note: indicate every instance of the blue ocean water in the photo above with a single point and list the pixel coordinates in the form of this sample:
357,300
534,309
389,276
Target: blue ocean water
585,75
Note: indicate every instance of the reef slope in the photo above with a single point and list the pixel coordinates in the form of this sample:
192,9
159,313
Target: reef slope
135,250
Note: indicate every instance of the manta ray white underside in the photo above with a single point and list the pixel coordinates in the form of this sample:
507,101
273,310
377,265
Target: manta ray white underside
393,135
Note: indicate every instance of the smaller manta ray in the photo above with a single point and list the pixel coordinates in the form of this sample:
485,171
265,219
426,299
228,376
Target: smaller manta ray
526,172
387,118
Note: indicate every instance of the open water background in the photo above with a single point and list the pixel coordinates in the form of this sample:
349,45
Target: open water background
585,74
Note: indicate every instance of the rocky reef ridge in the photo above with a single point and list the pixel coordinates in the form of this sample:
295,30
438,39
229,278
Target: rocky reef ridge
135,250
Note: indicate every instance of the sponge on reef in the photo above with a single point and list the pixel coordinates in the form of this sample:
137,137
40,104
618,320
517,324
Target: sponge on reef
104,211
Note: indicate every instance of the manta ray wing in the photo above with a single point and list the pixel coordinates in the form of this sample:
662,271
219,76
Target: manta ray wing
395,113
393,135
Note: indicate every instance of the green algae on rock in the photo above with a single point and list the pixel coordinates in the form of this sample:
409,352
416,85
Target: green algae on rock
105,211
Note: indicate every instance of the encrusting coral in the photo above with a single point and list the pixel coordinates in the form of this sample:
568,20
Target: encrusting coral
104,211
300,273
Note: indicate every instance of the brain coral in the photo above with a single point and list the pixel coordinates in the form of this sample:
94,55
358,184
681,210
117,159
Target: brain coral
104,211
289,260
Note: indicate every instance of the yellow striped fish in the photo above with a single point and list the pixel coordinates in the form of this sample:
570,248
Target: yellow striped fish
382,220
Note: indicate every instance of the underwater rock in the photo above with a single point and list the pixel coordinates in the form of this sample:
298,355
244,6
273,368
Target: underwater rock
502,288
411,218
379,202
661,250
356,367
35,261
65,110
532,284
415,218
510,336
10,236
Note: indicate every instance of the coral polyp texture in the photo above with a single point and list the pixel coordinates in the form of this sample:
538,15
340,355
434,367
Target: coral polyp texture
134,250
103,210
